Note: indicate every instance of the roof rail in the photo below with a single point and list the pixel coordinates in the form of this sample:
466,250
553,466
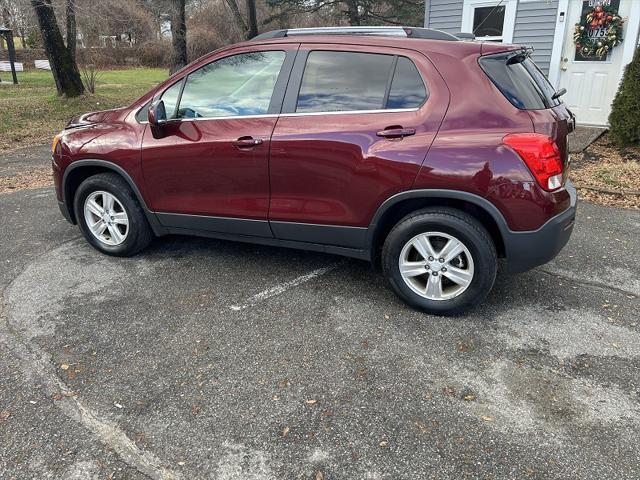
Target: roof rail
465,36
407,32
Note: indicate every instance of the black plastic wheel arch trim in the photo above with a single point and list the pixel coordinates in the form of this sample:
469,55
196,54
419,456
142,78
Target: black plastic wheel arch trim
549,238
157,228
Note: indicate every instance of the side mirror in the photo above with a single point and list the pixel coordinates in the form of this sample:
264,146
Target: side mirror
157,115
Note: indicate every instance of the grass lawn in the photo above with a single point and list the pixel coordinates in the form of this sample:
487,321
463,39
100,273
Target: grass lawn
32,112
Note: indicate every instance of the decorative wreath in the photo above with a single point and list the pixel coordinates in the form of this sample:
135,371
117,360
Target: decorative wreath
602,17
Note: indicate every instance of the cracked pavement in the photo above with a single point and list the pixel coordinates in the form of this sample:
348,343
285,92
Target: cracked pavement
208,359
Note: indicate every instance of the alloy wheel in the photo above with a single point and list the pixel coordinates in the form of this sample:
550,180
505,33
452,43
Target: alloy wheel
106,218
436,265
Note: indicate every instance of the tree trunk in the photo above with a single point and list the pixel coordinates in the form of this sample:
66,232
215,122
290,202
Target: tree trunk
63,66
352,12
4,21
252,29
178,36
71,28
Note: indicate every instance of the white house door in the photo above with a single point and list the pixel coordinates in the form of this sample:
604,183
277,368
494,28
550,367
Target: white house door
591,83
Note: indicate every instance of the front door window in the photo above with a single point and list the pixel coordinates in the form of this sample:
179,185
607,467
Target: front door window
234,86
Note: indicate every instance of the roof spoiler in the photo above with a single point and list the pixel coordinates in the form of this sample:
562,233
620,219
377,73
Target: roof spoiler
519,55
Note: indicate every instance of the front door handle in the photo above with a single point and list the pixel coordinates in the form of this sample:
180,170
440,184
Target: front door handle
396,132
247,142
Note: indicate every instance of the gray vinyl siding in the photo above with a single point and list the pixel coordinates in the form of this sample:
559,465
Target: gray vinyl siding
445,15
535,26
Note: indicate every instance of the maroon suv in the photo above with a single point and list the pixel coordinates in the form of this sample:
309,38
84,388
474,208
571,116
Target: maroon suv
409,147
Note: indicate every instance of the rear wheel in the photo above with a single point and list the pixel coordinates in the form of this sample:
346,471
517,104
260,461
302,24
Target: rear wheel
440,260
110,216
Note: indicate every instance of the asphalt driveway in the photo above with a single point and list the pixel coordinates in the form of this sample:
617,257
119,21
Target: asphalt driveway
209,359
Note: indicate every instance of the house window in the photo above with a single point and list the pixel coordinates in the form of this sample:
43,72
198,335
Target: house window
488,22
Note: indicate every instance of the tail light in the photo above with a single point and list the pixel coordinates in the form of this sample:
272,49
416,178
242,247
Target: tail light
542,156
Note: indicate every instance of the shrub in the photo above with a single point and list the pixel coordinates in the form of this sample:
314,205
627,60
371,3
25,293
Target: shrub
154,53
625,109
201,41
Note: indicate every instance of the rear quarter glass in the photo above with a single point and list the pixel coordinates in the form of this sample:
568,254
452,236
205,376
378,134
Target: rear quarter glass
519,80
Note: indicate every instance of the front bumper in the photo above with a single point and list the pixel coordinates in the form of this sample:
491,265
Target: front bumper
526,250
65,212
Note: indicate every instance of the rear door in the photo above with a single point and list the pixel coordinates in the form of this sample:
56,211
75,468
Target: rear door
356,126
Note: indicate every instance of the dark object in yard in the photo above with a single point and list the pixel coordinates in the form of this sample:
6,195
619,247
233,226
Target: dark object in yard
63,65
7,34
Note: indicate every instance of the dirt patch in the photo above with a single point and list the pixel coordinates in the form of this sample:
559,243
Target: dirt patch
608,175
37,178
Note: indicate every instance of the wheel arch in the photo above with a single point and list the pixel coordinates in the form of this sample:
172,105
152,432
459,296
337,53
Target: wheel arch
80,170
401,204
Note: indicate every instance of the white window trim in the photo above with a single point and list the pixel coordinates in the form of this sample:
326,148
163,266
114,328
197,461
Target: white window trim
562,28
509,17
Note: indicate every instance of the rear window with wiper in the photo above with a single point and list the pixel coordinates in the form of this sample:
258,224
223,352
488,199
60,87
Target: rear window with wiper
519,80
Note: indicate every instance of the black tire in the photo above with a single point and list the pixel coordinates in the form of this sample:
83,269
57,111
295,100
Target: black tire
139,233
459,225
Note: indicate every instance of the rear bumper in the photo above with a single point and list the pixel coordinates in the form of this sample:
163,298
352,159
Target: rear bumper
526,250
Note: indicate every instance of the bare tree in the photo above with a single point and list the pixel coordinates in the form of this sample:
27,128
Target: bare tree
252,28
237,15
71,28
178,36
63,66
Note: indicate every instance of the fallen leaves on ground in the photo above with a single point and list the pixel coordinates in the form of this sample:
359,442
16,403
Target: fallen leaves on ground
37,178
608,175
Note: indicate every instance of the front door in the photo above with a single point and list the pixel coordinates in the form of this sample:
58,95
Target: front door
591,82
208,168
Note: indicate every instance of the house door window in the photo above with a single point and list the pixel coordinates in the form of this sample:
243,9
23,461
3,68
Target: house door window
489,20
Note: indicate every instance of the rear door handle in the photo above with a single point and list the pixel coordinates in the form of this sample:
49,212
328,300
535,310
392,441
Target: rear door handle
396,132
247,142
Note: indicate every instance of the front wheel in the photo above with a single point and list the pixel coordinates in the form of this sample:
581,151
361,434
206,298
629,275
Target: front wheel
110,216
440,260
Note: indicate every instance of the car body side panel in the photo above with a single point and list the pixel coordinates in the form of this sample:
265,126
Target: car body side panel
333,169
112,136
468,154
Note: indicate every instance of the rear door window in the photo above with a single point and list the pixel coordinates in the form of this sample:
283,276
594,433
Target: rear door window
353,81
407,88
344,81
519,80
